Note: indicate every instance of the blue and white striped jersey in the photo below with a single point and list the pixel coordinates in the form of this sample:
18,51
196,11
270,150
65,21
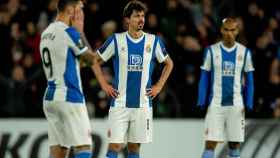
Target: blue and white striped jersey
133,62
59,47
227,66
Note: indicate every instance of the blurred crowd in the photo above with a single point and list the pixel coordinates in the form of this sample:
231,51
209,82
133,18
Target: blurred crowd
186,26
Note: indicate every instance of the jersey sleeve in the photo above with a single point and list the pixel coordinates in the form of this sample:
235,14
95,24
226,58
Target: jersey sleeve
160,51
107,50
206,60
248,62
76,42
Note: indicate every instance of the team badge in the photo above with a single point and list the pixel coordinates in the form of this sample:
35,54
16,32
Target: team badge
122,49
239,58
148,49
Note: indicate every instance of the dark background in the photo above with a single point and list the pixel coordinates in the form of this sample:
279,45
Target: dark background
186,27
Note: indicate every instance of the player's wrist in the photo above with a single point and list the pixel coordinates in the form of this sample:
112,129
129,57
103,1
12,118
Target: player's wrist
160,84
103,84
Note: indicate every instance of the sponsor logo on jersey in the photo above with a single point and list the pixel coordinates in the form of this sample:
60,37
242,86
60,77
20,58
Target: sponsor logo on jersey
228,68
135,63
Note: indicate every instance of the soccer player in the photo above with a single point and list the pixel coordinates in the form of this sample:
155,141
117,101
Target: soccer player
62,43
134,54
225,64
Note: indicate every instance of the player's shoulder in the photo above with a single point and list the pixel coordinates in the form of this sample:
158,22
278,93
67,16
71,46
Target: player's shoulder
118,34
240,45
215,45
73,33
55,27
211,48
153,36
242,48
47,29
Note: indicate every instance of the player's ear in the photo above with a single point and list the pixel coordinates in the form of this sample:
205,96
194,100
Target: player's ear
70,11
221,29
238,28
125,22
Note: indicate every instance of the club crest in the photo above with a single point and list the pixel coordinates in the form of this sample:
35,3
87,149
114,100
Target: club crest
239,58
148,49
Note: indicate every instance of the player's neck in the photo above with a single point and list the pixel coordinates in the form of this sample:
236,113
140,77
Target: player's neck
135,34
63,18
228,44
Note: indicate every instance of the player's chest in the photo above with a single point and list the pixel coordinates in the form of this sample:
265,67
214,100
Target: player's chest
228,64
135,56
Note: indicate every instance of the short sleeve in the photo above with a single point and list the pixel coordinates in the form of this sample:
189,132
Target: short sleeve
248,62
160,50
76,42
107,50
206,60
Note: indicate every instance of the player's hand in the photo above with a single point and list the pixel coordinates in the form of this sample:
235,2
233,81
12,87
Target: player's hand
109,90
78,19
154,91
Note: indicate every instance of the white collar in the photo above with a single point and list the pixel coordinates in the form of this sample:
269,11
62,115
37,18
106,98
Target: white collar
133,39
228,49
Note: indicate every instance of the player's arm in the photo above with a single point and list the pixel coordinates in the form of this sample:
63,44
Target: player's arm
96,67
81,47
167,69
249,90
203,88
93,60
204,79
249,81
89,57
162,57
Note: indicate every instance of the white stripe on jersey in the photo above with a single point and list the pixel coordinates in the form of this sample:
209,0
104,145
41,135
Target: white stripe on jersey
147,58
123,59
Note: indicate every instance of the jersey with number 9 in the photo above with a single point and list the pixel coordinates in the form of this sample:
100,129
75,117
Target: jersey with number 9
59,48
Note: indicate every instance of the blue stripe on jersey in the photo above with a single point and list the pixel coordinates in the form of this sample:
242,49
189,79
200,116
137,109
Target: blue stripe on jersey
162,46
116,69
71,79
133,87
212,76
205,55
228,72
107,43
151,69
50,90
74,34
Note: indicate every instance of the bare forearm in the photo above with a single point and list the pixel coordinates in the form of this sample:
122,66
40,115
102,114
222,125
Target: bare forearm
96,67
85,41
